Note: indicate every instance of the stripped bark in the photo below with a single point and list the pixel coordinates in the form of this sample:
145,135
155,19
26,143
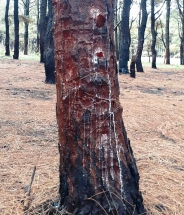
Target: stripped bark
98,173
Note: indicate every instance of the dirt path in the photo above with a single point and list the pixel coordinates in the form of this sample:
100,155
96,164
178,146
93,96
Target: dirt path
154,117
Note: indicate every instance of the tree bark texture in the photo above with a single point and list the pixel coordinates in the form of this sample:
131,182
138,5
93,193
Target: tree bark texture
141,31
98,173
132,66
124,38
167,34
26,26
16,30
49,48
7,39
43,26
153,34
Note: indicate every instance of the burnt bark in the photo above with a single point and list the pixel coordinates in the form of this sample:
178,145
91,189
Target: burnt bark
98,173
26,27
49,48
7,39
167,34
141,32
125,38
43,26
154,35
16,30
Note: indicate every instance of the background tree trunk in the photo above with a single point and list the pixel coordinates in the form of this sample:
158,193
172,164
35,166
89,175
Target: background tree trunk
7,39
16,30
141,31
49,48
26,25
124,38
154,35
38,27
98,173
167,35
43,26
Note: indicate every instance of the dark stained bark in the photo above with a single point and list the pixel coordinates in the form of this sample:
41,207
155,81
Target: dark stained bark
49,48
167,34
16,30
43,26
154,35
7,39
124,38
26,26
141,31
98,173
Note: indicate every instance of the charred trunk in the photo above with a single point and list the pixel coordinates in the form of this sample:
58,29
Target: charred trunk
49,48
7,39
141,31
124,38
98,173
16,30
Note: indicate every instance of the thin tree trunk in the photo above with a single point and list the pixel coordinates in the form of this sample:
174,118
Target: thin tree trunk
7,39
16,30
26,26
154,35
43,26
98,173
141,31
181,35
49,48
167,35
38,27
125,38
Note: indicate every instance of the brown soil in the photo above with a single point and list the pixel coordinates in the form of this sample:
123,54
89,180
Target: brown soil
153,114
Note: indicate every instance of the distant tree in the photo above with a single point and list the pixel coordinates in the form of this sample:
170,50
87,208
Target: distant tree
49,48
180,6
43,26
125,38
26,25
141,32
167,33
16,30
7,39
98,173
38,26
154,35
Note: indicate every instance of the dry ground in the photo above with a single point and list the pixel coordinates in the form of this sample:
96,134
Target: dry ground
153,114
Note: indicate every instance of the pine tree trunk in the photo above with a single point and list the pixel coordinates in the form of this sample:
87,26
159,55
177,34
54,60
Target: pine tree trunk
49,48
26,26
7,39
43,26
154,35
167,36
38,27
16,30
98,173
141,31
124,38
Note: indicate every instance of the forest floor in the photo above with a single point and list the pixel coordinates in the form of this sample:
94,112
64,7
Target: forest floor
153,113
